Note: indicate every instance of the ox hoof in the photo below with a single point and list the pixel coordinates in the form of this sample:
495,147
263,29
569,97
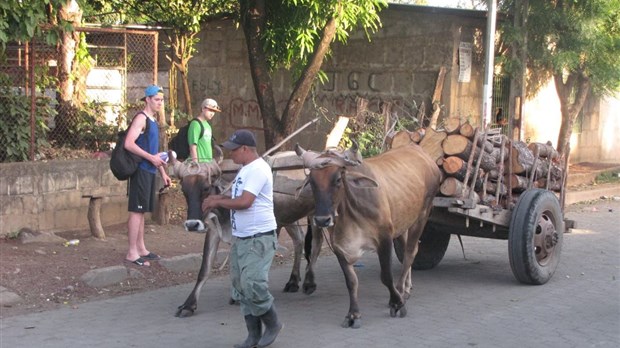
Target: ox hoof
309,288
183,312
352,323
400,310
291,287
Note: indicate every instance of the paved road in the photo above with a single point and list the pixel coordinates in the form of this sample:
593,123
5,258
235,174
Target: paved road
472,302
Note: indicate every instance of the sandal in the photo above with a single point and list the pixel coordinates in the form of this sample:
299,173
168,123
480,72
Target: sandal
151,257
139,261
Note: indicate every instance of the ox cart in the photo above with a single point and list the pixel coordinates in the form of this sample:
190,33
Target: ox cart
510,191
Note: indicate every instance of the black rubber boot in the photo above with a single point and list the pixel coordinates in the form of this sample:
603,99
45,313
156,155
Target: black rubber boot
254,332
272,327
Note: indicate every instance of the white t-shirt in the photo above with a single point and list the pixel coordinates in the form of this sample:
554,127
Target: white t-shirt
256,178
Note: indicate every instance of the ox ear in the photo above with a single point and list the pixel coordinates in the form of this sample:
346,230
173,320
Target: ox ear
358,180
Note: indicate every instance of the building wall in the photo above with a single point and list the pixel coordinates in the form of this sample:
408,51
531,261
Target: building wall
598,138
399,65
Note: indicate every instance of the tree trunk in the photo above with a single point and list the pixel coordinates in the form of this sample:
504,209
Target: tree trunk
296,101
253,22
580,84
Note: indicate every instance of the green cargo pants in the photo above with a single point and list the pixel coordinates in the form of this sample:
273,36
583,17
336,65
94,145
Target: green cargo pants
250,260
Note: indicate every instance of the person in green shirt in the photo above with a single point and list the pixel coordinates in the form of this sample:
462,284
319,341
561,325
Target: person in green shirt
200,149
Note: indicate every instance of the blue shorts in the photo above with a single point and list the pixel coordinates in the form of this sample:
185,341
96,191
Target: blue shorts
141,192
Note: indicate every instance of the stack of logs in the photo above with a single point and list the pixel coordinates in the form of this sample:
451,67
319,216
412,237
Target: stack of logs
473,165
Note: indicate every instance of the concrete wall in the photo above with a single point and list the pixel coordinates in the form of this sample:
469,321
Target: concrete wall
598,138
399,65
47,196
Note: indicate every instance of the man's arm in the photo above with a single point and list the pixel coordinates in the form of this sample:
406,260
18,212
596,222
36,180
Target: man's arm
238,203
192,140
138,124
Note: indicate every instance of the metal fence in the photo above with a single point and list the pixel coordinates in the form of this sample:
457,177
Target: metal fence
68,100
500,104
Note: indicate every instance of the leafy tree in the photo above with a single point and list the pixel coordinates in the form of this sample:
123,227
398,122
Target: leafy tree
20,20
182,20
296,35
577,43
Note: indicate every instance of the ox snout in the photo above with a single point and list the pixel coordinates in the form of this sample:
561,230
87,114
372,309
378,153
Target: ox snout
323,221
194,226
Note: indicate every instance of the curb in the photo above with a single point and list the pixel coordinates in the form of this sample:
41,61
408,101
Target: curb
573,197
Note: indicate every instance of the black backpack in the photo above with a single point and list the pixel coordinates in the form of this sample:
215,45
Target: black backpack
123,163
179,142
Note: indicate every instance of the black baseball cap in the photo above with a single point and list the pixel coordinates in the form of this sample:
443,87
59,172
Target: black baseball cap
239,138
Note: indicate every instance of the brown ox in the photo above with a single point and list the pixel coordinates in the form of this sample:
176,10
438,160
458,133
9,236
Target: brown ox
367,206
198,182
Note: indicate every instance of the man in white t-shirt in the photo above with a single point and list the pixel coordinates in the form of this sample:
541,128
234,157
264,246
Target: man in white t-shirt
254,224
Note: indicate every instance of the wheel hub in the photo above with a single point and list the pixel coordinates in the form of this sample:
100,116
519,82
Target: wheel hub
545,239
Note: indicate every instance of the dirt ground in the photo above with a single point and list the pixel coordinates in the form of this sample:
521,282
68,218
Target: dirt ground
47,275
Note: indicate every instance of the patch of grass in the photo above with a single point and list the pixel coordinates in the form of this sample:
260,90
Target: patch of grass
607,177
12,235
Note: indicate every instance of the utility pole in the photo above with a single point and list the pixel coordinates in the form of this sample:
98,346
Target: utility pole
518,79
489,69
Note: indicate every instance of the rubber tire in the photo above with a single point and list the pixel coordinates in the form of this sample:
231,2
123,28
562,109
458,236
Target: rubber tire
536,218
431,250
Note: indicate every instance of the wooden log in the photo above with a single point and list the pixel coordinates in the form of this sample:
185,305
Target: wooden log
492,188
431,143
417,135
456,167
488,200
452,125
458,145
420,115
495,154
437,96
522,158
400,138
467,130
451,187
553,185
544,150
517,182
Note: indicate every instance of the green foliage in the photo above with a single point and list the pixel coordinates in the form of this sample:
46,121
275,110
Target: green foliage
368,130
294,27
94,133
20,20
607,177
15,130
580,37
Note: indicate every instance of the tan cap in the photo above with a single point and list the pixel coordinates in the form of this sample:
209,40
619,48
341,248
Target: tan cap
211,105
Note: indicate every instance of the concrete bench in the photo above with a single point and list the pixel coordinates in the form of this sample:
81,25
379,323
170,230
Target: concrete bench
96,197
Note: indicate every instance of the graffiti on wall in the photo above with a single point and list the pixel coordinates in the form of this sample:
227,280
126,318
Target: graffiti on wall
246,112
355,80
208,87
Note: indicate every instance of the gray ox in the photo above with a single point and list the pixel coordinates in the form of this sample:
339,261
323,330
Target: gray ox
369,205
289,206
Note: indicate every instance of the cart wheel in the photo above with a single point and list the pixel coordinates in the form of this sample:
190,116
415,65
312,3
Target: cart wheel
535,237
432,248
